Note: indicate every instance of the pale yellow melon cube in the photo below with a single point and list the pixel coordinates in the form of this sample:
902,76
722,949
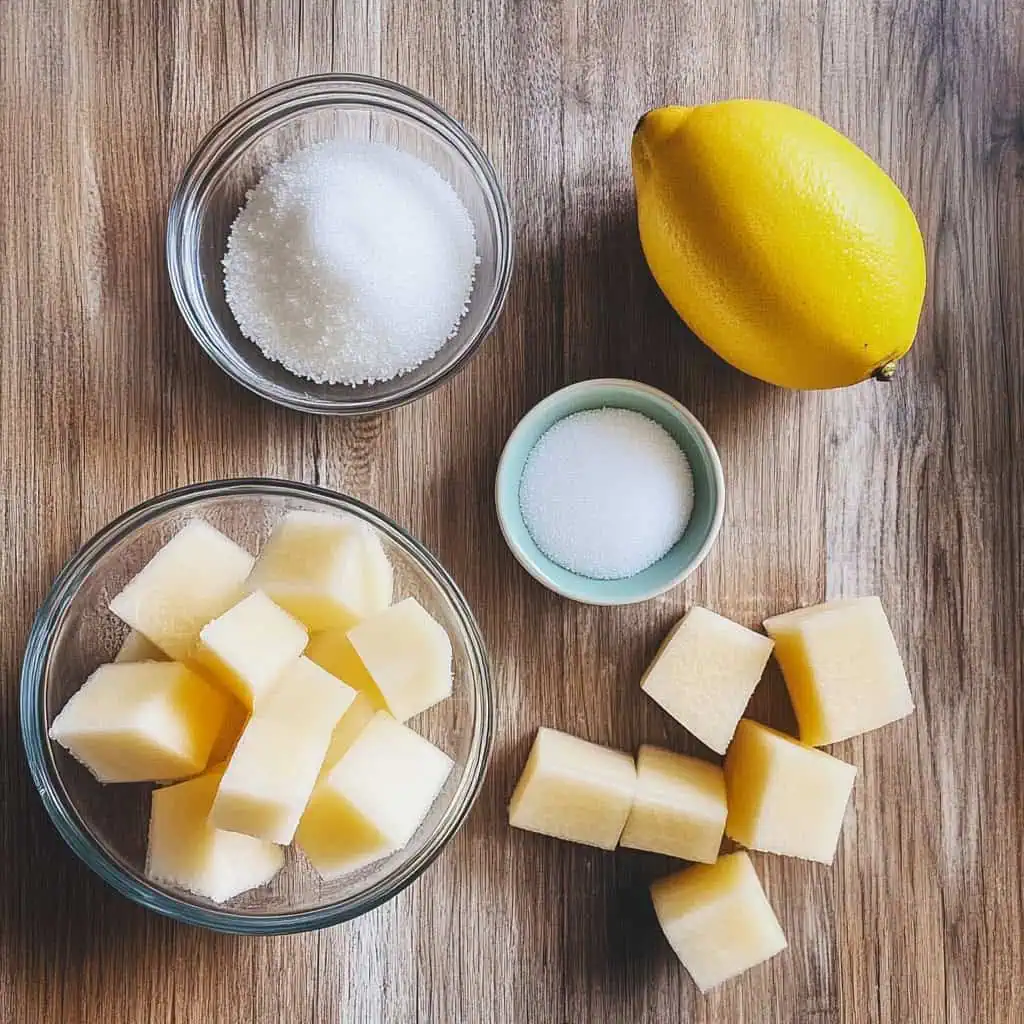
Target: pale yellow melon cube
250,645
358,716
141,722
408,655
235,718
717,919
278,757
185,850
329,571
193,578
842,668
574,790
705,672
333,651
785,797
374,799
679,808
137,648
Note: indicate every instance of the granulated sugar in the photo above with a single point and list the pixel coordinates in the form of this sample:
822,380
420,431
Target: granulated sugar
350,262
606,493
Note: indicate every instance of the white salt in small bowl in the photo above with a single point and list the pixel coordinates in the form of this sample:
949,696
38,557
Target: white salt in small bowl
708,491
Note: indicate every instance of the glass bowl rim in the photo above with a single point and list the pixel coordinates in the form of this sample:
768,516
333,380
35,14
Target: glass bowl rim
64,815
256,115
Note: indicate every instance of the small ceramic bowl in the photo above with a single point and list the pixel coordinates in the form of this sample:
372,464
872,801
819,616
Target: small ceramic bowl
708,482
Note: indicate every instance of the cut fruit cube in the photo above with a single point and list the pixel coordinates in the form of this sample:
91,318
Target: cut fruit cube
574,790
186,850
193,578
842,668
235,719
679,808
250,645
378,573
141,721
408,655
705,672
717,919
137,648
278,757
374,799
358,716
785,797
328,571
333,651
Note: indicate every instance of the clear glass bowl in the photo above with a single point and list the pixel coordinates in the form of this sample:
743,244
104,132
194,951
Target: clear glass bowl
264,130
73,633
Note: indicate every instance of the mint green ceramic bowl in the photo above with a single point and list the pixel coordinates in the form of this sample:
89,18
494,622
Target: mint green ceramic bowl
708,483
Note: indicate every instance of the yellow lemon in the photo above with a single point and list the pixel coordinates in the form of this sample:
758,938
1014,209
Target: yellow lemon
784,247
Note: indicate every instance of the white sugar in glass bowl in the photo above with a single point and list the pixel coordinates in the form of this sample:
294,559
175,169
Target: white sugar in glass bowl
271,126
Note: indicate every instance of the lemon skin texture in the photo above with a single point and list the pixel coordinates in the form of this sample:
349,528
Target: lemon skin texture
783,246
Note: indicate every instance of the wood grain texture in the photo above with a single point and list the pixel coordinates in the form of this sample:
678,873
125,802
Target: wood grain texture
914,491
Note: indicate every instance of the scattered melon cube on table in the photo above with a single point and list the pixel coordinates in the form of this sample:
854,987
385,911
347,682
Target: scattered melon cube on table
328,571
408,655
842,668
785,797
679,808
717,919
196,576
141,722
333,651
187,851
137,648
574,790
250,645
374,798
277,759
705,672
353,722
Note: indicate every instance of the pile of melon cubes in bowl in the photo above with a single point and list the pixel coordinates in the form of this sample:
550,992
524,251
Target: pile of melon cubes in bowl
773,793
232,680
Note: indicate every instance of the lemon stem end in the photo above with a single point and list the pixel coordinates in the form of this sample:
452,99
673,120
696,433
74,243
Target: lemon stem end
886,371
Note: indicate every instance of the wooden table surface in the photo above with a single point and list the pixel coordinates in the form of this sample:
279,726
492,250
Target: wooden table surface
914,491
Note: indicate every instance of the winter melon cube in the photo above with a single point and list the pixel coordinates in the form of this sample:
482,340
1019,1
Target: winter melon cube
235,719
679,808
192,579
717,919
785,797
705,672
141,722
408,656
328,571
333,651
137,648
277,760
353,722
186,850
842,668
374,799
250,645
574,790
